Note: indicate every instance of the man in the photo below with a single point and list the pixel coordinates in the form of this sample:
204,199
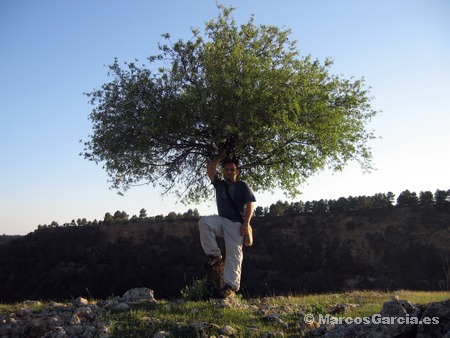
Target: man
228,224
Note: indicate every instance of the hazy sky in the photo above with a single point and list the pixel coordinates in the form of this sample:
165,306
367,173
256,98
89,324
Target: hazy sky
51,52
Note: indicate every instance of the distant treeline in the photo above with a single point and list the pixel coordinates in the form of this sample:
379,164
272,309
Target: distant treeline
441,198
347,204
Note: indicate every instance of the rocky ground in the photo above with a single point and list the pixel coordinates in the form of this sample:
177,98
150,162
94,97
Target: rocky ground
398,318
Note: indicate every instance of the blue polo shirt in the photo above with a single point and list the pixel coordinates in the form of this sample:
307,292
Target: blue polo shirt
239,191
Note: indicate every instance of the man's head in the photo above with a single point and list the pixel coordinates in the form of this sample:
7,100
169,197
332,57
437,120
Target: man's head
230,169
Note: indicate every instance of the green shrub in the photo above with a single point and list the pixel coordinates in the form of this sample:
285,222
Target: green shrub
198,290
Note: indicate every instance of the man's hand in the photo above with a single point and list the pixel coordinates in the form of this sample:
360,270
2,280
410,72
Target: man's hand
247,232
244,229
211,168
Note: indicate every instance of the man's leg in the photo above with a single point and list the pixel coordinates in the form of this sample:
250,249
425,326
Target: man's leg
234,254
210,227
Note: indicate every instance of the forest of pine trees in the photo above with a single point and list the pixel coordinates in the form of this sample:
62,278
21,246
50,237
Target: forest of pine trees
440,199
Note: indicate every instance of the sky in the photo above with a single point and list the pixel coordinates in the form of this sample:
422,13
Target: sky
53,51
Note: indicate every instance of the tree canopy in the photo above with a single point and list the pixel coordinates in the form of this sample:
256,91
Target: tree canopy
241,88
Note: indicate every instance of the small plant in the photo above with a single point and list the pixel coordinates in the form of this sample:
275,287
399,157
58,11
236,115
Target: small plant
198,290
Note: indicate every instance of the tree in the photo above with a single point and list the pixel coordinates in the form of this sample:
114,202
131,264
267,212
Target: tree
407,199
426,198
120,216
308,207
142,213
172,216
296,207
320,207
259,211
279,208
442,197
242,89
82,221
108,218
342,204
191,214
381,200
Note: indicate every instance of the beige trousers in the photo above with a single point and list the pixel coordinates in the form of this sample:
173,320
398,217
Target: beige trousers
212,226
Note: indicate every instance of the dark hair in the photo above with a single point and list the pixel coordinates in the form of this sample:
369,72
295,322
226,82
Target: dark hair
228,160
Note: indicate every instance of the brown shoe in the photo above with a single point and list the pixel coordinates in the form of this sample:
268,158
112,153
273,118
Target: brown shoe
226,291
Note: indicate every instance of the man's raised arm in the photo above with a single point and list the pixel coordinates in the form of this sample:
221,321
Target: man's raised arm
211,167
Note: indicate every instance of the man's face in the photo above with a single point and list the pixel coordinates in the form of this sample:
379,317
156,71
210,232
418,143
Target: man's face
230,172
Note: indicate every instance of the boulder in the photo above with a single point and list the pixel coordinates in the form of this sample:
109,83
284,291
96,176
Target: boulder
435,320
138,295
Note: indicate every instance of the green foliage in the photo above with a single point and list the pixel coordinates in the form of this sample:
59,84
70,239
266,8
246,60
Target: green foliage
198,290
243,88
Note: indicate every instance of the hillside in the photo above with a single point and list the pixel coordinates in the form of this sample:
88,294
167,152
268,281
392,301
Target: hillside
387,249
7,238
